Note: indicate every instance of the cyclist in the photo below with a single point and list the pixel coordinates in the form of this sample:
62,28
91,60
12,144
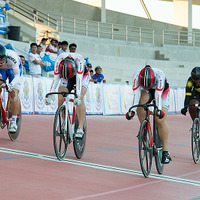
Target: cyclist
148,84
11,68
192,94
70,69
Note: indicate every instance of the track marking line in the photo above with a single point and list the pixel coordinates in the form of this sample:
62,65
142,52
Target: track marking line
102,167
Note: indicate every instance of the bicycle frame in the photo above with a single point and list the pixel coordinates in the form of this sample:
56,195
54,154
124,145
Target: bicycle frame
70,122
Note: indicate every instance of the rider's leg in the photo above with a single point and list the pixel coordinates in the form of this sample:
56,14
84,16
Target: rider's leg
14,102
60,97
140,111
163,129
81,109
192,109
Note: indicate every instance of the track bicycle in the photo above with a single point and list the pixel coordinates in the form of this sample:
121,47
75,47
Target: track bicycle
6,115
149,143
195,135
65,127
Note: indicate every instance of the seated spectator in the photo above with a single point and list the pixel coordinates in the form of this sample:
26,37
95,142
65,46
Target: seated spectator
43,44
98,77
23,63
51,48
59,45
35,62
56,46
72,48
64,48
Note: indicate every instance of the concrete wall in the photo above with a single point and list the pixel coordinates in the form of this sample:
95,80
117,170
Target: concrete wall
73,9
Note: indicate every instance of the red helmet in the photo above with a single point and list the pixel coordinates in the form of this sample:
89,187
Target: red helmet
67,67
147,77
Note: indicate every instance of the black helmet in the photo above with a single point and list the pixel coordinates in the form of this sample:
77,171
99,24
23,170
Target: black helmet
67,68
195,74
2,53
147,77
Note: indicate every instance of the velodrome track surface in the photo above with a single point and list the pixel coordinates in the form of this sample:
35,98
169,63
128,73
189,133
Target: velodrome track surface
109,169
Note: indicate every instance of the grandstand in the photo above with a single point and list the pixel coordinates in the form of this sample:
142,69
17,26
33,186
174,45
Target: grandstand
121,46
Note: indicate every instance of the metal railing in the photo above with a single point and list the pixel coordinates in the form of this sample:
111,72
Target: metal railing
181,38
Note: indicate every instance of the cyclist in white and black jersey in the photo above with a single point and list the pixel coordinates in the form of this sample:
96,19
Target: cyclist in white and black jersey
11,68
148,84
70,70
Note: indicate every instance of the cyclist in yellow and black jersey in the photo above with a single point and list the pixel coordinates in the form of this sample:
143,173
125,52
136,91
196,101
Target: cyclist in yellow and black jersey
192,93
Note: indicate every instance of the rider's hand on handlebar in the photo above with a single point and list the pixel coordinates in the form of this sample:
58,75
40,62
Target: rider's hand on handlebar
77,101
160,114
130,115
9,87
184,111
47,101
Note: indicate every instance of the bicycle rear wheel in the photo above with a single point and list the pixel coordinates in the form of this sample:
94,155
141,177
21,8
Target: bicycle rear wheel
158,151
195,140
79,144
14,136
60,136
145,148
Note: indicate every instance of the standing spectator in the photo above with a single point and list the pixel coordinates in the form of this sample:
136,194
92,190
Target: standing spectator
39,50
91,73
98,77
51,48
43,44
35,62
59,45
23,63
72,48
64,48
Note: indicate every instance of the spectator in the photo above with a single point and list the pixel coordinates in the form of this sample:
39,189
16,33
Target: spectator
64,48
56,46
35,62
98,77
91,73
72,48
23,63
39,50
59,45
43,44
51,48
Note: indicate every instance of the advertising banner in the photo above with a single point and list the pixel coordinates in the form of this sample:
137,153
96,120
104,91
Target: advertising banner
97,99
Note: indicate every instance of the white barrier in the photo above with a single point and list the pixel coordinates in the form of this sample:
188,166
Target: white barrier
106,99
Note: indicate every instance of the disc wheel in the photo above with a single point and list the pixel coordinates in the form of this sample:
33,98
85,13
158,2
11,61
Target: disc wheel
158,152
14,136
145,149
60,136
195,145
79,143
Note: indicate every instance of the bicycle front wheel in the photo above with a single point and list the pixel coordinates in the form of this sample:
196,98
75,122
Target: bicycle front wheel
79,143
145,148
158,151
60,135
195,140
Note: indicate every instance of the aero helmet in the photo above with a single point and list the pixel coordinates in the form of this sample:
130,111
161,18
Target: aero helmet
147,77
67,67
195,73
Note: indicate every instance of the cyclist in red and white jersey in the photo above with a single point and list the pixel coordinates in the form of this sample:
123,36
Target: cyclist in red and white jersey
70,70
11,68
148,84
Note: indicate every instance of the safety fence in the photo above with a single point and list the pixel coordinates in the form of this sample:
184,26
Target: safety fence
100,99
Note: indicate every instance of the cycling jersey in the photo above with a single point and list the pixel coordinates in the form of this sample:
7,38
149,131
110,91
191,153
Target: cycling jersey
12,69
160,90
192,91
82,75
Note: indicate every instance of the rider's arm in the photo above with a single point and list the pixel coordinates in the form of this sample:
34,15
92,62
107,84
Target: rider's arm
160,84
188,91
136,90
79,61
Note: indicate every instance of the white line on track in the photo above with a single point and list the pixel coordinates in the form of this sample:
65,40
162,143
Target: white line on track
99,166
